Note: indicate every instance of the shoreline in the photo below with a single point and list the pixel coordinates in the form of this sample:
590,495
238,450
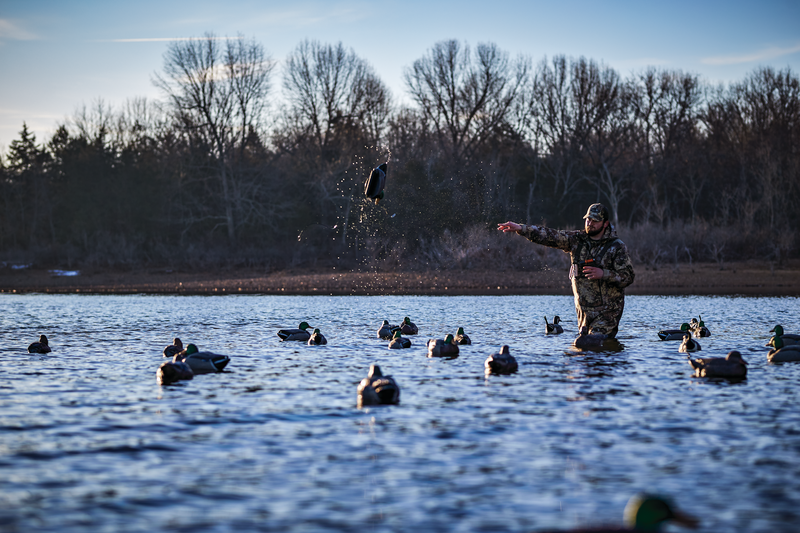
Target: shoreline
745,278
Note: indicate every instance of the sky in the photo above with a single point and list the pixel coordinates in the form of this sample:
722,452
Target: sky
57,56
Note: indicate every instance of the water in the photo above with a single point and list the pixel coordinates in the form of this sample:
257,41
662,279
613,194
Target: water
89,441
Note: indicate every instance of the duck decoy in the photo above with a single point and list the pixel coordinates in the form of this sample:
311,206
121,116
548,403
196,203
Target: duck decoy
39,347
317,338
732,366
172,371
501,363
554,328
461,337
299,334
443,348
386,331
787,338
202,362
674,334
373,188
783,353
689,344
589,341
172,349
377,389
408,327
398,341
698,328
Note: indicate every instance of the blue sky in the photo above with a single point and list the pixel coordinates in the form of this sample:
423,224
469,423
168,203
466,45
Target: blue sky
56,56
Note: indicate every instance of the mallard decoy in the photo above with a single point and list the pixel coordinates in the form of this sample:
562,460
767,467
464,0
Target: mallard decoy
643,513
461,337
732,366
377,389
373,188
501,363
299,334
787,338
554,328
689,344
398,341
589,341
783,353
39,347
443,348
408,327
698,328
386,331
317,338
171,371
674,334
172,349
202,362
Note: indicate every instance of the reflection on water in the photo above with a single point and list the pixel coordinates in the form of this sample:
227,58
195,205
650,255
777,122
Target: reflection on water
89,441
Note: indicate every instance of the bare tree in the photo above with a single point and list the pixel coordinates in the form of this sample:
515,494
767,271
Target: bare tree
218,94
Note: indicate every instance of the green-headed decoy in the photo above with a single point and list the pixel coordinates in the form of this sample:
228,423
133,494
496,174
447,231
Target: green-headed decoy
461,337
202,362
398,341
317,338
299,334
408,327
674,334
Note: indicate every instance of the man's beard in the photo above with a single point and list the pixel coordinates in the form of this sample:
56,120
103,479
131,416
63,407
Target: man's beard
595,233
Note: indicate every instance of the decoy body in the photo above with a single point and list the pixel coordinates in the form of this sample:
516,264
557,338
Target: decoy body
317,338
377,389
373,188
299,334
501,363
386,331
398,341
461,337
589,341
171,371
39,347
699,328
442,348
732,366
554,328
787,338
674,334
175,347
782,353
202,362
689,344
644,513
408,327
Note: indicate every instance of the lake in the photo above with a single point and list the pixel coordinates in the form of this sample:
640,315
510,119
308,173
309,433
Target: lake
90,441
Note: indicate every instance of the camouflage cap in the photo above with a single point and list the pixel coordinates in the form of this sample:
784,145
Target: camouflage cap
597,212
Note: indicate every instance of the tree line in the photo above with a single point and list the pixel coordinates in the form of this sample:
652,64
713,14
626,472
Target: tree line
245,163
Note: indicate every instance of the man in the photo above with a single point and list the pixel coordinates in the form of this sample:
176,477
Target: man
601,268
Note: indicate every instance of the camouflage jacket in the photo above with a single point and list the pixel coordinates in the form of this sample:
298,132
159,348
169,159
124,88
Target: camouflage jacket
608,253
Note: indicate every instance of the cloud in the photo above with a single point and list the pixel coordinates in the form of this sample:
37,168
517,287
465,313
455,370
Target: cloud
769,53
10,31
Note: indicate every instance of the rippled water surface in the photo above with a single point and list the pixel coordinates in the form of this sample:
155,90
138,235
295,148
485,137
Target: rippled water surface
90,441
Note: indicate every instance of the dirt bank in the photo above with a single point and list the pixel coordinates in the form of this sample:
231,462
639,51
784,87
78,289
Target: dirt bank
751,278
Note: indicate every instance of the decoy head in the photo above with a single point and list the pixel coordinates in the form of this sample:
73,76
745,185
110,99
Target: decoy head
685,327
505,350
397,334
460,331
584,330
190,349
43,339
406,320
316,331
556,319
303,325
374,371
646,512
736,357
449,339
385,322
777,342
777,330
177,342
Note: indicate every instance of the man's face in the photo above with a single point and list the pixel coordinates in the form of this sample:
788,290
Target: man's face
594,227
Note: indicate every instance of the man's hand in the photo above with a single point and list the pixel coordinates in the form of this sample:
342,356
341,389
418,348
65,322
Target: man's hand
507,227
593,272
